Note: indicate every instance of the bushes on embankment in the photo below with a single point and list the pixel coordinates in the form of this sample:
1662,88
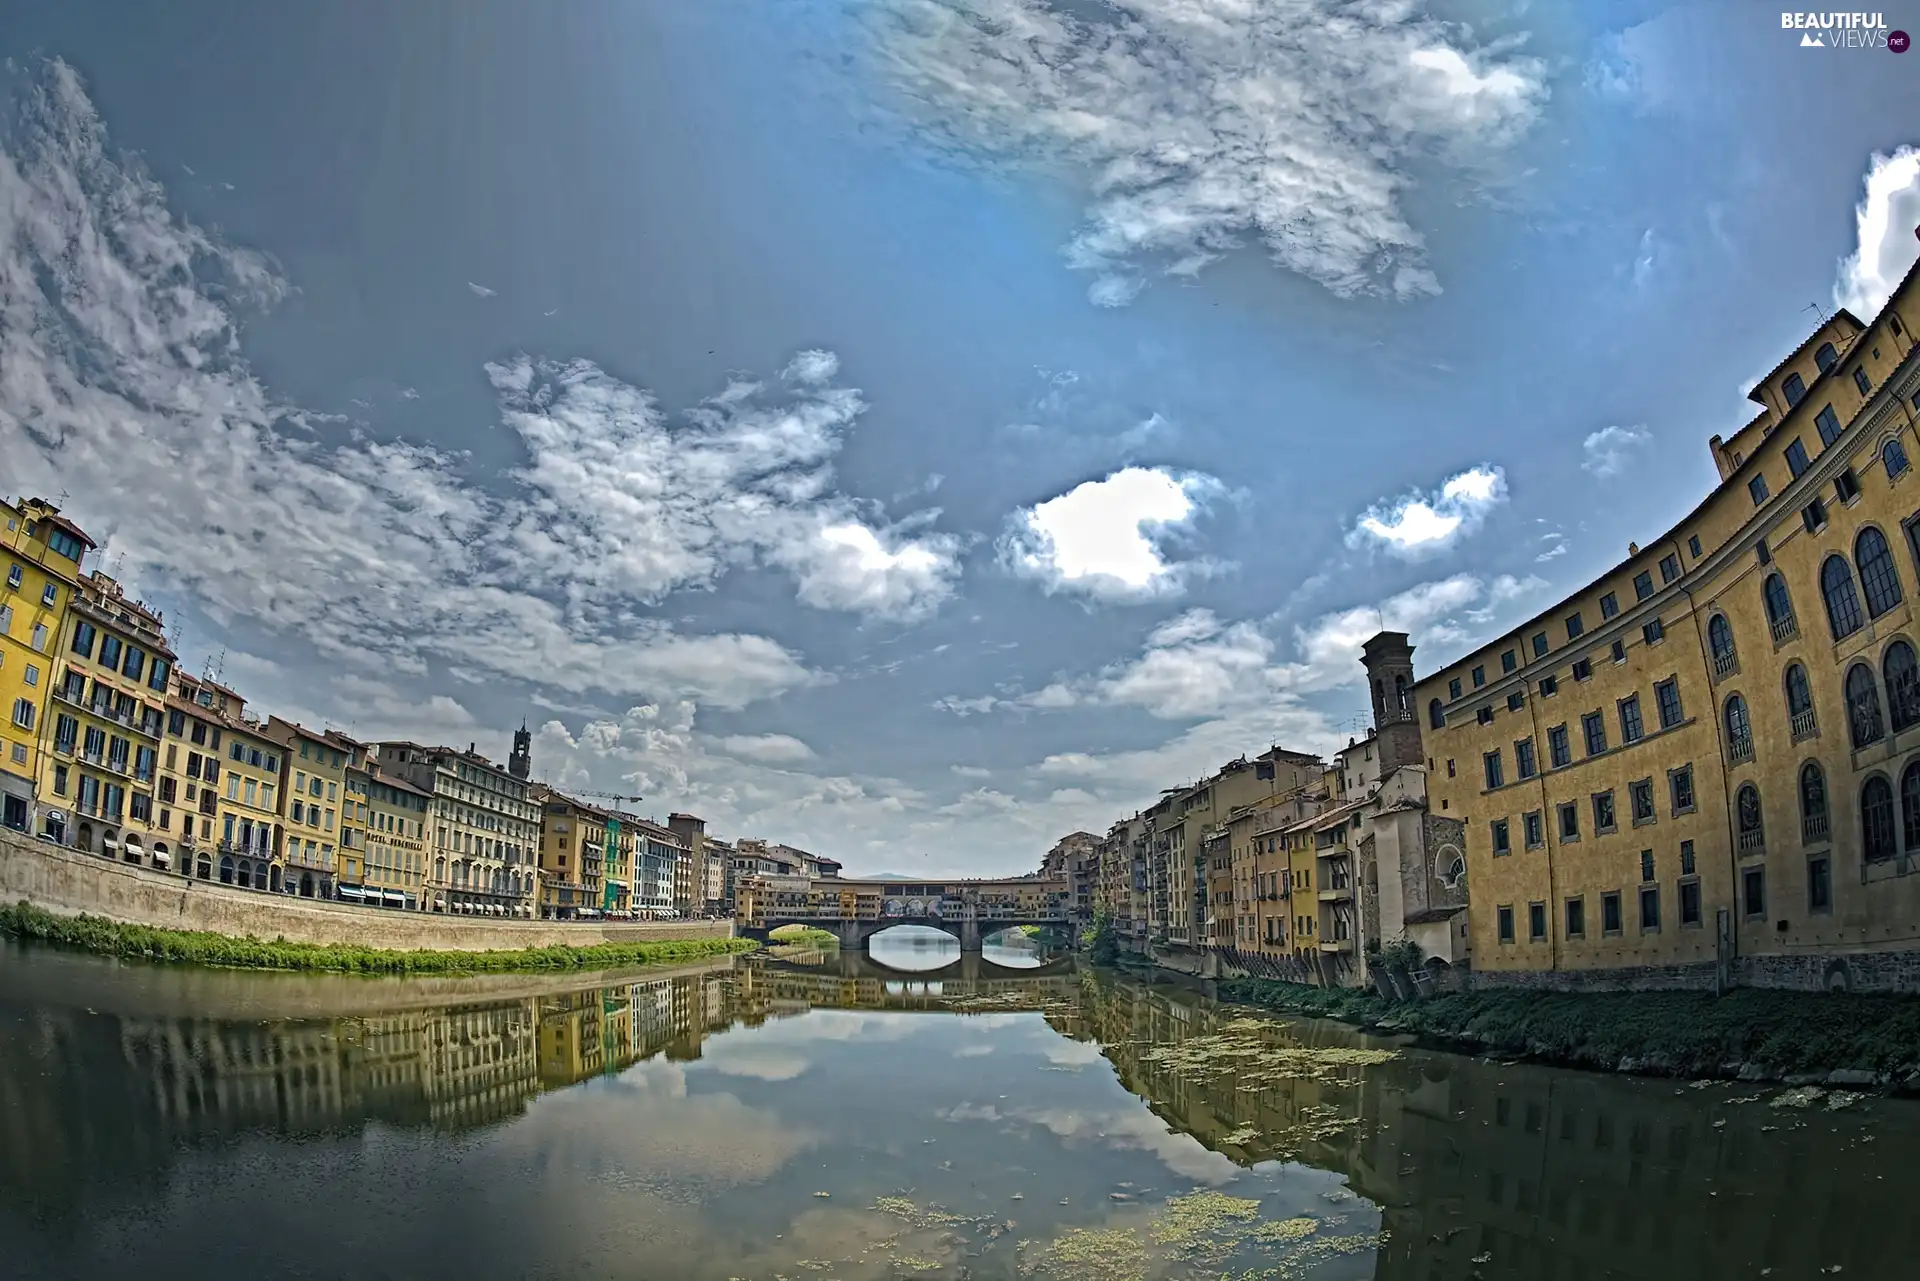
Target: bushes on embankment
1769,1034
195,947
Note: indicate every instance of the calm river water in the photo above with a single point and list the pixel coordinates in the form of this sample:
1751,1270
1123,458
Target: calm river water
831,1117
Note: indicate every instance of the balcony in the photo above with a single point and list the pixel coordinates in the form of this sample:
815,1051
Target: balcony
1785,629
1335,946
1725,665
1803,725
1740,750
1814,829
1753,841
1337,894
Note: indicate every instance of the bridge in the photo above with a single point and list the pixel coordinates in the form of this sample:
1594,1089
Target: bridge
855,911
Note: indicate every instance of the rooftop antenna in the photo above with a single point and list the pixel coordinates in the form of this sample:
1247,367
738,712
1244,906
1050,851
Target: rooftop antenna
216,667
63,493
1820,311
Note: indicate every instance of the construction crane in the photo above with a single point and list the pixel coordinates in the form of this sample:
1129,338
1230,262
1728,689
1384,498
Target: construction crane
610,796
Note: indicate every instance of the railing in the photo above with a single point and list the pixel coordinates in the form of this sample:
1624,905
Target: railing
1725,665
1813,829
1803,725
1740,750
1785,629
1752,841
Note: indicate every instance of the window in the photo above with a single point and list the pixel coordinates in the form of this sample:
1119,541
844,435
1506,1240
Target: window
1505,914
1864,725
1576,918
1796,458
1748,821
1436,718
1860,381
1574,626
1569,821
1508,661
1515,701
1693,546
1595,730
1646,865
1524,765
1494,772
1876,820
1609,606
1642,585
1813,805
135,665
1653,633
1903,685
1846,487
1819,885
1539,644
1630,727
1690,903
1549,686
1825,358
1603,816
1910,806
1758,488
1449,767
1582,669
1893,457
1479,677
1483,716
1558,749
1619,651
1610,912
1878,577
1720,643
1640,797
1534,828
1779,607
1739,729
83,635
1453,688
1753,886
1799,702
110,652
1828,425
23,713
1536,922
1814,516
1669,567
1795,387
1666,696
1686,858
1843,604
1650,909
1762,553
157,677
13,575
1502,843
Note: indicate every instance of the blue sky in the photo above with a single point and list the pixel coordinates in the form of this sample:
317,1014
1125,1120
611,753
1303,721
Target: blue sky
909,429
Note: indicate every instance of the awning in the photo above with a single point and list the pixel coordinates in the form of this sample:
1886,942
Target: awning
394,898
110,843
162,859
352,893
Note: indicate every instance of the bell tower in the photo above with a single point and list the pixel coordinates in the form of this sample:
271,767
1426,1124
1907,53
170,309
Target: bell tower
1389,662
520,764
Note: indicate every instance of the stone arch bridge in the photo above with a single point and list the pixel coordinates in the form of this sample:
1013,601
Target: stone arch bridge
855,911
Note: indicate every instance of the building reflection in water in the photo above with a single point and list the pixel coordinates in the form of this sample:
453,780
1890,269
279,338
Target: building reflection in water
1481,1170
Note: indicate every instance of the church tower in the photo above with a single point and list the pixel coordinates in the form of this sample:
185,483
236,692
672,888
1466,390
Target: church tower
1389,662
520,764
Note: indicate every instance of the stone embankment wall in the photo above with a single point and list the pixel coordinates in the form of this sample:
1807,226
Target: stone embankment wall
72,883
1866,971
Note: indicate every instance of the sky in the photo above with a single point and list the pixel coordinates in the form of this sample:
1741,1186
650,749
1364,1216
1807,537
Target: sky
909,429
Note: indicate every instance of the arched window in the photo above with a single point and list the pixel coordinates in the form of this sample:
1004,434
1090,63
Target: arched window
1749,834
1720,636
1876,820
1910,805
1843,603
226,869
1878,577
1863,707
1826,357
1400,703
1739,728
1893,456
1813,804
1436,717
1779,607
1799,701
1903,685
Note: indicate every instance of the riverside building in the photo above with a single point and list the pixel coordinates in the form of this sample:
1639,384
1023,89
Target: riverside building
40,553
485,827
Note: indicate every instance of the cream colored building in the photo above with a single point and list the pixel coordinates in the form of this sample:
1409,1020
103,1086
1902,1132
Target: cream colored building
485,829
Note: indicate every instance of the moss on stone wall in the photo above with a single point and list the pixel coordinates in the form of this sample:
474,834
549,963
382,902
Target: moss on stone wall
193,947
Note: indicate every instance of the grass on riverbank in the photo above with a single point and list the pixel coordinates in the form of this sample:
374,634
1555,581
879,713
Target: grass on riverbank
194,947
803,935
1782,1034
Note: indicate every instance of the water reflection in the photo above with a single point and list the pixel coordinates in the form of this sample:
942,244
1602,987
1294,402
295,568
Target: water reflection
755,1120
919,949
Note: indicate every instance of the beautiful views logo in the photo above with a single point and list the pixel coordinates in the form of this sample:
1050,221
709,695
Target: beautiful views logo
1844,31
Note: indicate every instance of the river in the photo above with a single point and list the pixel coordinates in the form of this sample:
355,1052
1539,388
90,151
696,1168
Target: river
835,1117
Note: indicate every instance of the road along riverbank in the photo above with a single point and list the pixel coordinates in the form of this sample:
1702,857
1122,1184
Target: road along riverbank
199,947
1800,1038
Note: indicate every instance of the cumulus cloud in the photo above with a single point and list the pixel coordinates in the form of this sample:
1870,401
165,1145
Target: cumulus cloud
1609,450
1196,127
1193,666
1106,539
120,372
1885,247
770,749
1419,522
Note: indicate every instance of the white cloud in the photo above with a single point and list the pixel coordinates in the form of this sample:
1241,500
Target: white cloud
1105,538
120,372
1192,667
409,393
971,771
769,749
1418,523
1196,126
481,291
1646,259
1885,246
1609,450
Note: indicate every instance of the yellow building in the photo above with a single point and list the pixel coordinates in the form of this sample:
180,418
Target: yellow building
41,556
485,829
219,800
313,808
101,737
1704,766
391,868
573,850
